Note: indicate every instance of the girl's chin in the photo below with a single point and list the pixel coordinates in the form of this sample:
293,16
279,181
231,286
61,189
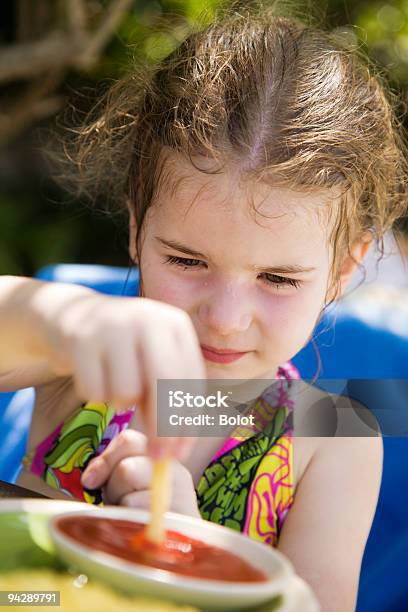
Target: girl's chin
222,372
231,371
234,371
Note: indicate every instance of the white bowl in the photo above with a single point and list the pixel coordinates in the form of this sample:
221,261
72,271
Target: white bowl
41,506
210,594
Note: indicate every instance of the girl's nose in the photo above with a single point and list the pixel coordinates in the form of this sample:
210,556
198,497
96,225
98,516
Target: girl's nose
226,312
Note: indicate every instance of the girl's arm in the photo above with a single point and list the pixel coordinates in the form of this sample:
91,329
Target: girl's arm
326,530
26,355
115,349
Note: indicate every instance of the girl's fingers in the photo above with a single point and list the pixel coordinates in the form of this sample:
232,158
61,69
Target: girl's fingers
153,359
126,367
161,361
159,447
123,372
128,443
190,347
137,499
142,499
183,448
131,474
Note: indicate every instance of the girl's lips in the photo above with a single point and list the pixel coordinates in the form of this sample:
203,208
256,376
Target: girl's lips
221,356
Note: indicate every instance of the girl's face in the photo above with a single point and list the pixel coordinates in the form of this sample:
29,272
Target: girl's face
252,281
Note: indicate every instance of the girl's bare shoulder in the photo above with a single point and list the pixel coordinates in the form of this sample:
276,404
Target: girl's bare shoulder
320,416
55,401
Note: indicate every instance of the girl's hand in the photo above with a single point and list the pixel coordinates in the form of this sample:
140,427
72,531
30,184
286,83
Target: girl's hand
124,472
116,349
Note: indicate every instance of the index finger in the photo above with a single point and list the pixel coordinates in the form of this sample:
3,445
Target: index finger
127,443
160,361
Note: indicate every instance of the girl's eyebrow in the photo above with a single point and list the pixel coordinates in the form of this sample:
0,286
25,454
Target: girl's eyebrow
281,269
177,246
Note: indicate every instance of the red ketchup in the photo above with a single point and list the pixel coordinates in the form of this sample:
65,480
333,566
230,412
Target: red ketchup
179,553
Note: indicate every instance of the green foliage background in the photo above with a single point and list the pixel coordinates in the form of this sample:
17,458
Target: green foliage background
39,225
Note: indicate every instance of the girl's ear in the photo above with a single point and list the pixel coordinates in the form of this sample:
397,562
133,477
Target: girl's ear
359,250
350,263
132,236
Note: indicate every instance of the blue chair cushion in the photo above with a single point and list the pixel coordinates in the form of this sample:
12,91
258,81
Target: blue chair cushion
105,279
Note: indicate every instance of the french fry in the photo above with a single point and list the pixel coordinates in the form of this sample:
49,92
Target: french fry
160,500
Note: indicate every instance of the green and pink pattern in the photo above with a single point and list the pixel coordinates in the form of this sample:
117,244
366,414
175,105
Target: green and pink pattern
248,485
62,457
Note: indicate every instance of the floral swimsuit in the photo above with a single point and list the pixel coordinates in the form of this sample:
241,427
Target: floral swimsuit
247,486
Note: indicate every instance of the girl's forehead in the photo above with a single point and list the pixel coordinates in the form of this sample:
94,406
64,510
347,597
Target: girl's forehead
192,199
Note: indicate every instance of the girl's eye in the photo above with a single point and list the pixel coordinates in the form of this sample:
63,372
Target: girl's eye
280,281
269,279
183,262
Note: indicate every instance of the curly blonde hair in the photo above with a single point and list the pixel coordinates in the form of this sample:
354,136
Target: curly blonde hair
274,95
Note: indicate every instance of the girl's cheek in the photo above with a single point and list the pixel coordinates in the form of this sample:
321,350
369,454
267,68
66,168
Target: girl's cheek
279,308
161,285
288,320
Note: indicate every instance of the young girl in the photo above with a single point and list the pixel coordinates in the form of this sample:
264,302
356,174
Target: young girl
256,164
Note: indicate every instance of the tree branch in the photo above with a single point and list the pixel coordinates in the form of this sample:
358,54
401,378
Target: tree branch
27,61
77,20
12,126
37,104
103,33
46,61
